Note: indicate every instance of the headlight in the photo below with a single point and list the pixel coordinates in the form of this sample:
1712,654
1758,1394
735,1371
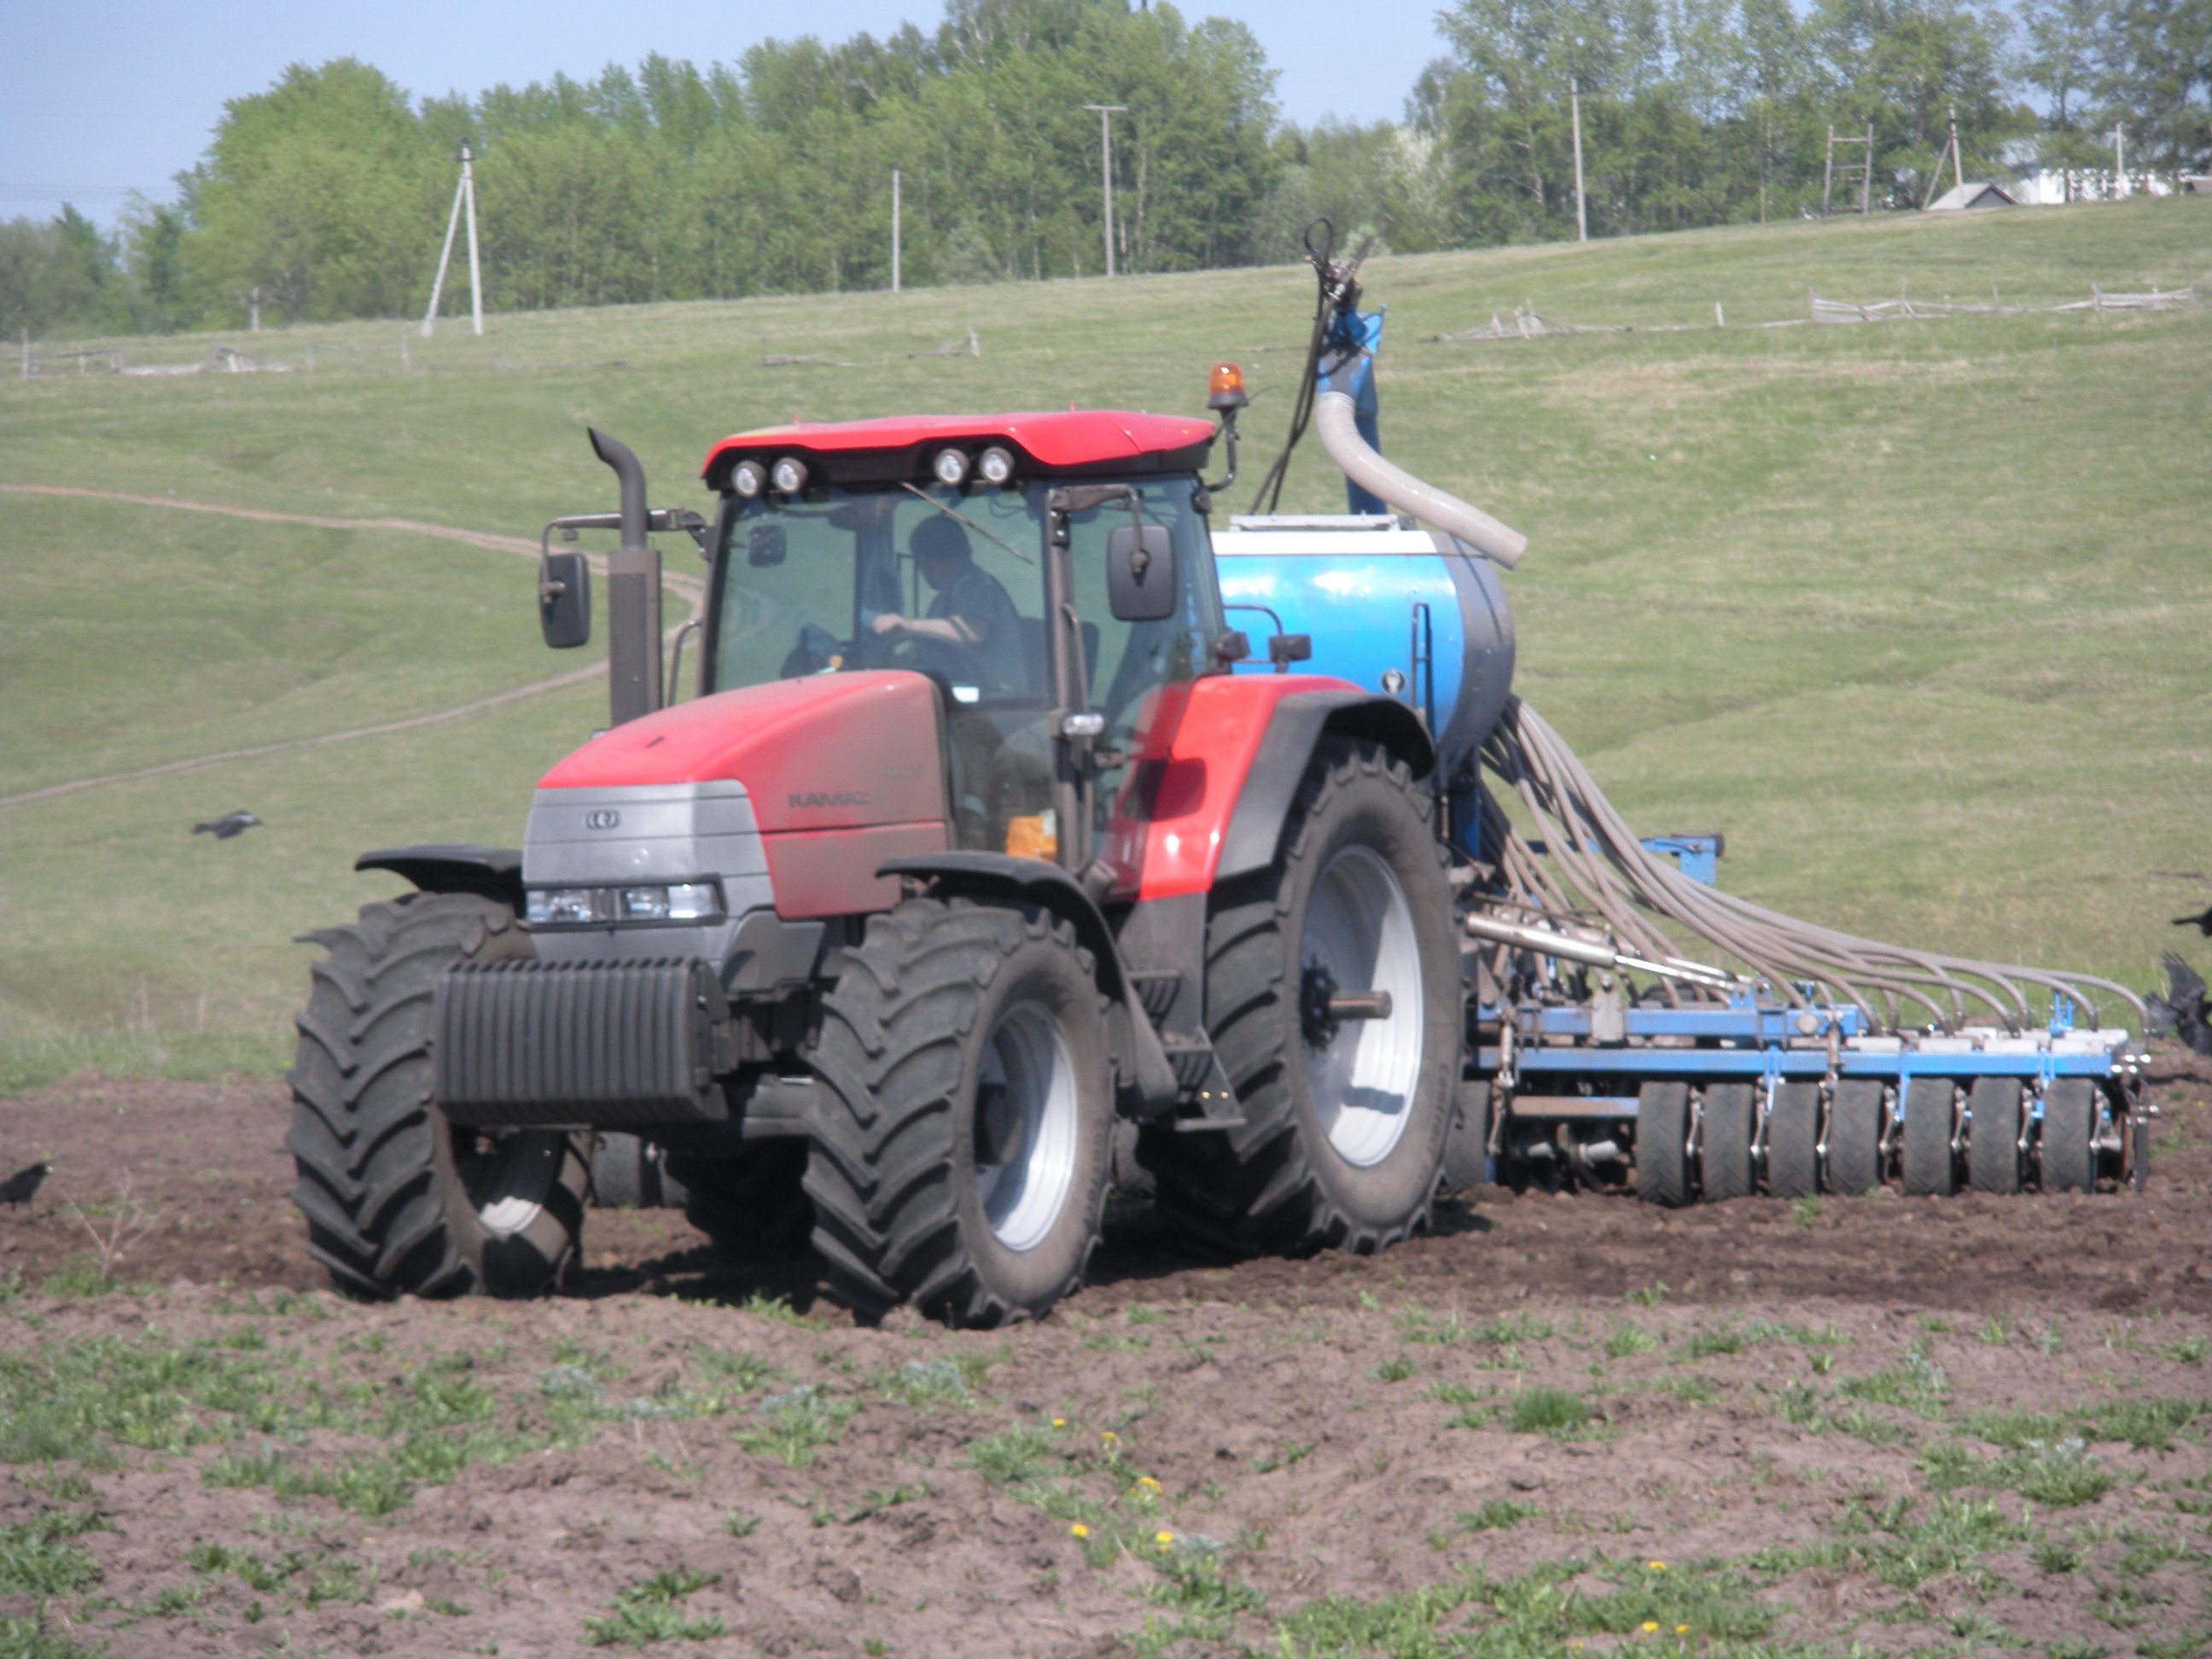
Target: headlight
995,466
585,906
748,479
951,467
788,475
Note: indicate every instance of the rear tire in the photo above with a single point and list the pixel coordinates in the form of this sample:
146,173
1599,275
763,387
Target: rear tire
961,1159
2069,1136
1345,1121
1793,1141
1855,1138
631,1173
1927,1159
398,1200
1993,1135
1731,1120
1662,1144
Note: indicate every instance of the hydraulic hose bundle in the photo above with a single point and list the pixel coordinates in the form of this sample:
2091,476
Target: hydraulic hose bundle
1593,868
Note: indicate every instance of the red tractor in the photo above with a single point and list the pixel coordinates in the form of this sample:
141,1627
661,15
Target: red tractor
970,874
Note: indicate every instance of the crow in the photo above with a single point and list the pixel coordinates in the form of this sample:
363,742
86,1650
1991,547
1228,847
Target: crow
22,1187
2182,1012
2203,923
231,824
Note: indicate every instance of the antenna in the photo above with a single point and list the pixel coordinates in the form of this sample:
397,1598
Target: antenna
464,193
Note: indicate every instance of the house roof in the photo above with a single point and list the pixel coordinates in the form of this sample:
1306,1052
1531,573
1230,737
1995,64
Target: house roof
1970,195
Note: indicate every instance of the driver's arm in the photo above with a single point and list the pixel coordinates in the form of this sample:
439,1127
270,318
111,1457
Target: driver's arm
957,630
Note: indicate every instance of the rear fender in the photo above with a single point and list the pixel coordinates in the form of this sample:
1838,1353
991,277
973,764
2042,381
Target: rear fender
1001,875
1294,732
449,866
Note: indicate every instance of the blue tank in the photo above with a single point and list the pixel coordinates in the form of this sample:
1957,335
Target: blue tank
1410,613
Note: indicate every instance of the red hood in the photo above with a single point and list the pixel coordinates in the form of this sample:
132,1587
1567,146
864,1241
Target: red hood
830,752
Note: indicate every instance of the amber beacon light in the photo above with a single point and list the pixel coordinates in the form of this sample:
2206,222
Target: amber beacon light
1225,388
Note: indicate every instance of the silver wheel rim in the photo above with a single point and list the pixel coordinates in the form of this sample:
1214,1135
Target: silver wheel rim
508,1183
1360,931
1026,1113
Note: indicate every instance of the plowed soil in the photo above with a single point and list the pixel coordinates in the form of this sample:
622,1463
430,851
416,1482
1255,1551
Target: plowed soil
1931,1425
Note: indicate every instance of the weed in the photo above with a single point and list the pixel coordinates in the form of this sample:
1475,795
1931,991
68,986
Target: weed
2078,1647
1697,1389
772,1308
1726,1339
2145,1425
2189,1351
741,1523
1948,1466
1293,1454
1996,1330
1650,1295
653,1612
1495,1515
1548,1411
1875,1431
1009,1457
1804,1212
928,1383
2060,1476
1393,1370
37,1557
2055,1555
796,1424
2014,1431
1625,1339
1798,1403
876,1501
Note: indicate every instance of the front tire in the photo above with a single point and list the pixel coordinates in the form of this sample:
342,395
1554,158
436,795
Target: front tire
1345,1120
961,1161
398,1200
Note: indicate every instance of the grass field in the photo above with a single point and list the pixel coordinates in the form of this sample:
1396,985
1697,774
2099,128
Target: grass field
1916,613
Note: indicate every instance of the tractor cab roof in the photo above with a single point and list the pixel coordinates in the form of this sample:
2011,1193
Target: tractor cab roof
1066,443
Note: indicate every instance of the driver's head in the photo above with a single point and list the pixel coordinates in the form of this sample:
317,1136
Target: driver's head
940,548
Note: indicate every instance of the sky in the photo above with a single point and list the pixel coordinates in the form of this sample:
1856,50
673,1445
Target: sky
105,97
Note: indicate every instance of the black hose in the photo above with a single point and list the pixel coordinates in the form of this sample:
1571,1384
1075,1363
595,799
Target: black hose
1270,494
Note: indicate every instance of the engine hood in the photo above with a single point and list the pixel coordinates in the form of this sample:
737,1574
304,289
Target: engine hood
827,752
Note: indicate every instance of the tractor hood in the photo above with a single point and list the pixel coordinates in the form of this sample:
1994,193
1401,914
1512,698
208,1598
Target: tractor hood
832,751
814,783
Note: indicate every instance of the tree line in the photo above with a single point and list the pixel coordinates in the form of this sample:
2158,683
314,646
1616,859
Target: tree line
327,193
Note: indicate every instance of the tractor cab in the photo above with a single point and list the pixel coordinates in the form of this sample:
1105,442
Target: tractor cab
1050,574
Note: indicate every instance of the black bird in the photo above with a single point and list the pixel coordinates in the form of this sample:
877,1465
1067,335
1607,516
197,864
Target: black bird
231,824
22,1187
2182,1012
2203,924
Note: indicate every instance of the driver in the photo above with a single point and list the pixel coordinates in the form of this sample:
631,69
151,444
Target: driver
971,612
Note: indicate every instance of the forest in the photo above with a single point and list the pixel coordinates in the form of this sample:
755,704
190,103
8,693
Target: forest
326,194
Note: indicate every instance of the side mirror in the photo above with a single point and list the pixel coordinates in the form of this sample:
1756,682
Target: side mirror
564,600
765,545
1140,572
1284,649
1232,646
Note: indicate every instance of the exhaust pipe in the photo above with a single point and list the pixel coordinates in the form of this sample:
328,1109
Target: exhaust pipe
1334,417
633,595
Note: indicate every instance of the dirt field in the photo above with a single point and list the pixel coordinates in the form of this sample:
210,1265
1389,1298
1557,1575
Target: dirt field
1557,1425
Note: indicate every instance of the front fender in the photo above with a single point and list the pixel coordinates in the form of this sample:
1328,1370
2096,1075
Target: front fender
1300,722
453,867
1003,875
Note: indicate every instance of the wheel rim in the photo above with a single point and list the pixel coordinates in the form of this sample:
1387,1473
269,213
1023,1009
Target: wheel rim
1362,1074
1026,1114
508,1177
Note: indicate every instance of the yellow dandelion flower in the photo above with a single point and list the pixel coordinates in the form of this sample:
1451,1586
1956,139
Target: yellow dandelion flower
1657,1567
1060,1422
1164,1539
1681,1630
1079,1530
1108,1435
1650,1624
1147,1481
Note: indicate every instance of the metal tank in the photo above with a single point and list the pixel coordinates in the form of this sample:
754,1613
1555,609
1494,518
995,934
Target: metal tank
1412,613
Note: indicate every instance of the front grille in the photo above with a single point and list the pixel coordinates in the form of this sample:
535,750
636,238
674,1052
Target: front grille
610,1044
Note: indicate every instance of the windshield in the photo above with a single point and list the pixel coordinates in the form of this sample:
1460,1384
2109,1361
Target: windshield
948,582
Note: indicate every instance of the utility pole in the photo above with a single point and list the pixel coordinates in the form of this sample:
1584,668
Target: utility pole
895,230
253,311
1582,208
1106,112
2119,160
464,193
475,271
1958,166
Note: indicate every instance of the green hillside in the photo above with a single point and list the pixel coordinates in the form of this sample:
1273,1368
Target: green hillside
1916,612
